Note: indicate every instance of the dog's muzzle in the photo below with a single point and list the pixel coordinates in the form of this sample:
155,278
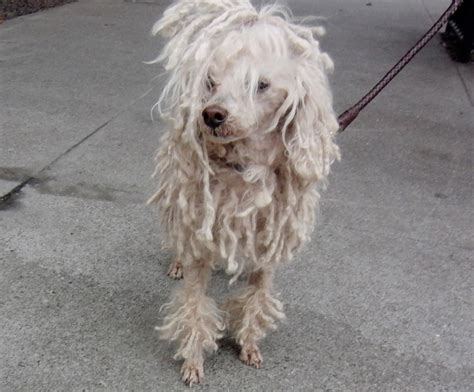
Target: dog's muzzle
214,116
218,125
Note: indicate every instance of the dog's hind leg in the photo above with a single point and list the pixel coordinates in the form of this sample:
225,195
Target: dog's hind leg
252,313
175,270
194,321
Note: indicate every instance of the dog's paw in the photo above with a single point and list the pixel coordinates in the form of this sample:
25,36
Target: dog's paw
250,355
176,270
192,373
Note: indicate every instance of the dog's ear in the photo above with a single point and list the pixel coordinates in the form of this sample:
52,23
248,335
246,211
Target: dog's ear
309,138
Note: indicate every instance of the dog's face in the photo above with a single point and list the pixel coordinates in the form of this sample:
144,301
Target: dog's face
243,88
256,78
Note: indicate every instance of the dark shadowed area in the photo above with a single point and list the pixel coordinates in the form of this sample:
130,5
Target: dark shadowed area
11,8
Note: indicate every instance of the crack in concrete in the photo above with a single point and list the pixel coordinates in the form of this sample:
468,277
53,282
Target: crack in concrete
8,200
470,98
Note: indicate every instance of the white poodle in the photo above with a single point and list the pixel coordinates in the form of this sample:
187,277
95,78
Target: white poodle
251,132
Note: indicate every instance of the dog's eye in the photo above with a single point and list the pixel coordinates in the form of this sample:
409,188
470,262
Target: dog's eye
262,86
211,84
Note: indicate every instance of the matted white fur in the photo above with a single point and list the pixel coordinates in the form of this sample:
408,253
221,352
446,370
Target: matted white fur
242,195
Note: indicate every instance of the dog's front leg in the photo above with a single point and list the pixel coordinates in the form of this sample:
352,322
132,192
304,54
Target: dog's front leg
252,313
194,320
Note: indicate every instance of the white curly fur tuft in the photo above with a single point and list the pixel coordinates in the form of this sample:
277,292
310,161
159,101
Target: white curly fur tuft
196,324
251,314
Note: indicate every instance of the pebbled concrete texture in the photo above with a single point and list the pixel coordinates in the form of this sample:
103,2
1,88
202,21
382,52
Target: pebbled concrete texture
381,300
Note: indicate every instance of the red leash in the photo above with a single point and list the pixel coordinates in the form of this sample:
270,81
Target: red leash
350,114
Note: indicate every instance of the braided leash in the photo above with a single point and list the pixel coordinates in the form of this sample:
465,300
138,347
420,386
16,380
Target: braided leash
350,115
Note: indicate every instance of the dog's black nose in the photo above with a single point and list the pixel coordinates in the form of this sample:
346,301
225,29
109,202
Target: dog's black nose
214,116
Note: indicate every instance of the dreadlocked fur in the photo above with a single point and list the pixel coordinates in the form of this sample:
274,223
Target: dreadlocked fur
245,198
206,219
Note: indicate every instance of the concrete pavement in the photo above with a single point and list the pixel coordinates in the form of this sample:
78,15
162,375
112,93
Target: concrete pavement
380,300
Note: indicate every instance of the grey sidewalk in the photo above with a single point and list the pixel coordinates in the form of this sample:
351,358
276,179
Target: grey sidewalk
380,300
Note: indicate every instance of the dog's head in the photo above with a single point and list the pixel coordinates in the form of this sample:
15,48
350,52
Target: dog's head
241,74
244,83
